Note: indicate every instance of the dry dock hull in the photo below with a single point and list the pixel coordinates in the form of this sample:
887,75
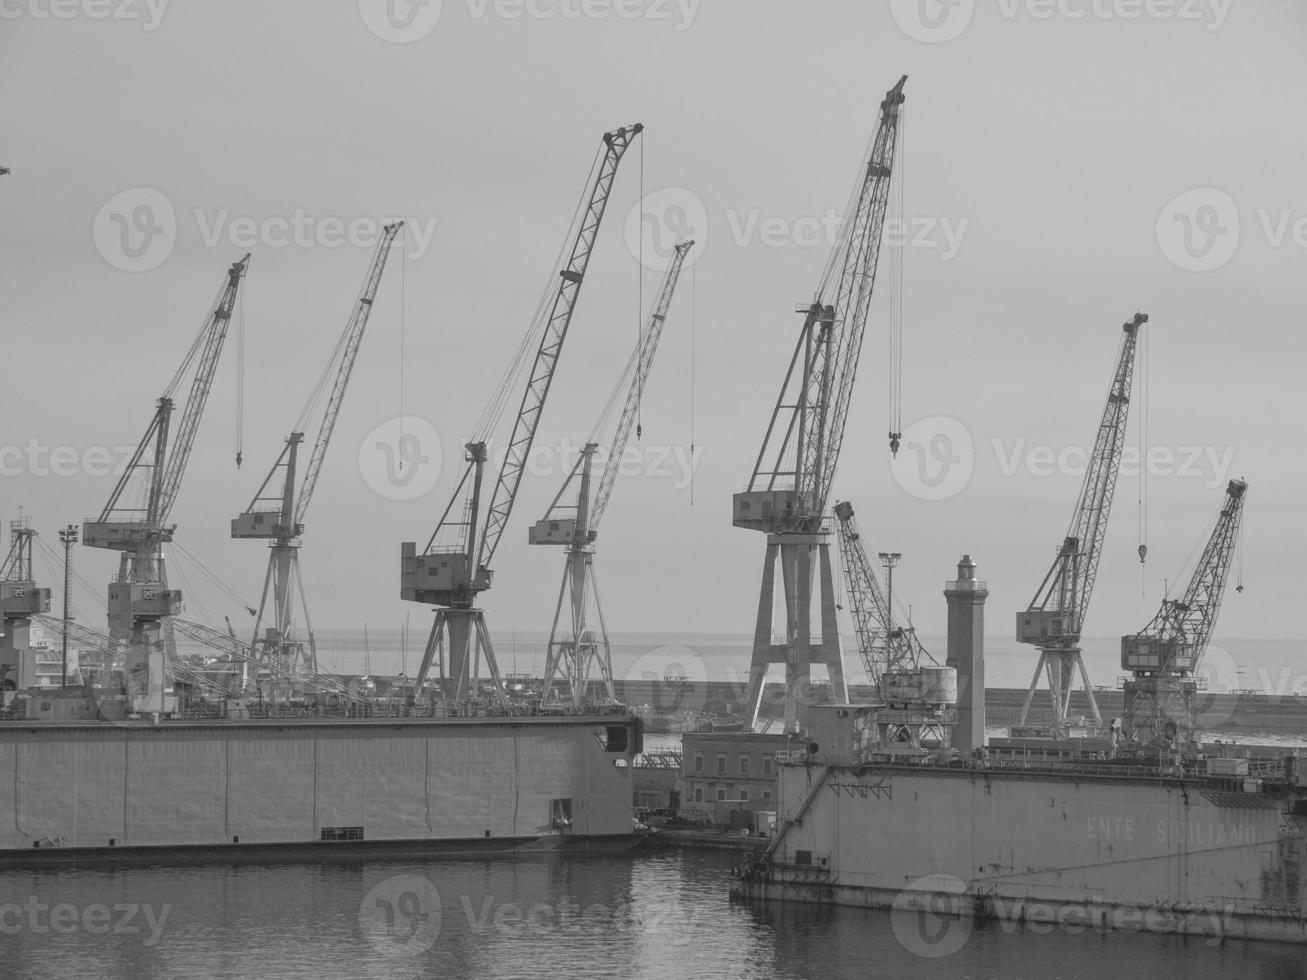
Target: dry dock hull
314,790
1156,855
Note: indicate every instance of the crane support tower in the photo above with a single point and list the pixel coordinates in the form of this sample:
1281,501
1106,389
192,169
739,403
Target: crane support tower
1055,616
919,697
139,598
279,517
451,576
1164,656
787,493
20,600
571,657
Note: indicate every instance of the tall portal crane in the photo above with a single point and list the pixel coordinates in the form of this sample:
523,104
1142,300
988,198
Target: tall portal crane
20,600
1165,654
280,517
576,526
1056,615
139,599
791,481
448,575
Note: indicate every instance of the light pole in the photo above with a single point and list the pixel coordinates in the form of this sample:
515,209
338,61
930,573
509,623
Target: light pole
68,536
889,559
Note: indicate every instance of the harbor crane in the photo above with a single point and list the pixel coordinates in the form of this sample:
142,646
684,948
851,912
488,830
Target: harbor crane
791,481
279,516
576,526
451,575
1056,615
139,598
1164,656
20,600
886,647
919,695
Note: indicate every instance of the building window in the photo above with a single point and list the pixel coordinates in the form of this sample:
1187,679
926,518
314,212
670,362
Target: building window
766,794
721,765
744,796
698,762
721,792
744,765
766,765
698,794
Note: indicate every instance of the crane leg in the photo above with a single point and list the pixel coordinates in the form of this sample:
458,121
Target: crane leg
764,651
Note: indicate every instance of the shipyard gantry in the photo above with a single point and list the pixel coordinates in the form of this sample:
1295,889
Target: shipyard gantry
454,567
1055,616
573,659
792,477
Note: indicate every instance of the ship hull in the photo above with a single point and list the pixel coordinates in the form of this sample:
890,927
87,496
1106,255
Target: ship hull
1074,851
313,790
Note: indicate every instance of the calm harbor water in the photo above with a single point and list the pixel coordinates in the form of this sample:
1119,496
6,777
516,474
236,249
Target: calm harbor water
656,914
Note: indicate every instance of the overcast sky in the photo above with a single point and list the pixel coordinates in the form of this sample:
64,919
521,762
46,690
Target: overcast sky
1066,165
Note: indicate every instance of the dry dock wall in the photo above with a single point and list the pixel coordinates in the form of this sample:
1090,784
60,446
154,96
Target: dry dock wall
1004,838
223,784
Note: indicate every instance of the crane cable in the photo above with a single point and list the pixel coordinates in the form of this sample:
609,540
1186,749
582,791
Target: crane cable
240,381
1141,368
494,409
897,217
403,303
639,306
209,574
693,323
1238,585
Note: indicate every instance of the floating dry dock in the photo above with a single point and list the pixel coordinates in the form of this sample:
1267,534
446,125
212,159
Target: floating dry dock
1193,854
1168,843
133,791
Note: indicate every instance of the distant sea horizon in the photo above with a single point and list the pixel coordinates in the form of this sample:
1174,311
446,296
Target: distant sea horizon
1275,666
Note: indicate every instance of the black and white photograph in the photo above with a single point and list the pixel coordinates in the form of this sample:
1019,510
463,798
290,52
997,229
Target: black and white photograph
932,369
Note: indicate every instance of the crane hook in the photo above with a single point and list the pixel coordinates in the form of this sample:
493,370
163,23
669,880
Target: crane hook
1143,553
894,443
239,457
